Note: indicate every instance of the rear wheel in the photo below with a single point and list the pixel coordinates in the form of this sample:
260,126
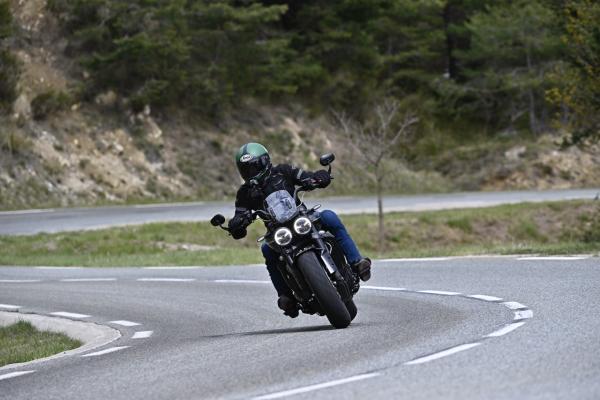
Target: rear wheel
326,294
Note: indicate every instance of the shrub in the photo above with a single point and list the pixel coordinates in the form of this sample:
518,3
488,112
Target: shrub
49,103
9,76
592,231
14,143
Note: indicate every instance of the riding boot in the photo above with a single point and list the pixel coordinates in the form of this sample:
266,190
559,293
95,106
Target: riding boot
288,305
363,267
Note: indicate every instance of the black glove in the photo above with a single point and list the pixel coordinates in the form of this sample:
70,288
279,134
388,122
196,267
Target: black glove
237,225
322,178
239,233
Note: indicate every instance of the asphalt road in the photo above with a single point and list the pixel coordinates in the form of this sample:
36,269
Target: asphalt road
228,340
72,219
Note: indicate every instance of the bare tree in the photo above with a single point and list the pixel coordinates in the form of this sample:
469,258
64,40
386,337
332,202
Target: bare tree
375,137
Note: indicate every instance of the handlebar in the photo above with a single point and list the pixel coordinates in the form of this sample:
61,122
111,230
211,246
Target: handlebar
307,185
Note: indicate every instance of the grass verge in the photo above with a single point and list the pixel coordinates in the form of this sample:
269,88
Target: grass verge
21,342
548,228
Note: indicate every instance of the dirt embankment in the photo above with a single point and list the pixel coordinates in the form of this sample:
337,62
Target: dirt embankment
58,150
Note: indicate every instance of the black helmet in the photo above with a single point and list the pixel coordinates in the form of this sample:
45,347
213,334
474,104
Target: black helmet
253,161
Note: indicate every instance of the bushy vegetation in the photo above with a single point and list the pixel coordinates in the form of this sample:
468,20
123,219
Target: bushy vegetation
500,65
9,66
48,103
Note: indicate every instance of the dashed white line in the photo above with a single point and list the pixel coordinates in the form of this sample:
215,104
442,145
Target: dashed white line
105,351
9,306
443,353
485,297
553,258
513,305
523,314
507,329
142,335
69,314
165,279
125,323
19,280
58,267
440,292
15,374
169,268
385,288
311,388
239,281
89,280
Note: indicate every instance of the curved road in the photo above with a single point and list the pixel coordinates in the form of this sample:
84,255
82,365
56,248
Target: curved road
28,222
458,328
216,333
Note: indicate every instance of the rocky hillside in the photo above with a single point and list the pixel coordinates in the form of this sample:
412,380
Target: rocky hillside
59,148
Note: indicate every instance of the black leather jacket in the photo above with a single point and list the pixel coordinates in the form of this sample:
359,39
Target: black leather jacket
251,196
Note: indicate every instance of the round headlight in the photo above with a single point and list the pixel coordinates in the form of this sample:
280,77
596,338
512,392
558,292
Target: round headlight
302,225
283,236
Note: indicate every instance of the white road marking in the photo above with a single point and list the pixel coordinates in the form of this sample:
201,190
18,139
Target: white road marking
513,305
414,259
142,334
15,374
174,267
485,297
553,258
167,205
69,314
19,280
32,211
239,281
507,329
105,351
443,353
391,289
165,279
125,323
311,388
89,280
440,292
9,306
523,314
58,267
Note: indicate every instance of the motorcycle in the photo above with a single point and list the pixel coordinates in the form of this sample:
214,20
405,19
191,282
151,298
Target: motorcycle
312,262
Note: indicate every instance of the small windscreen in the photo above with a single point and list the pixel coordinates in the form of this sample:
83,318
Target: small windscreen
281,206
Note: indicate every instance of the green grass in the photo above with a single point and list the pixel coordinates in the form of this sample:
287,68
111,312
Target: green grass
546,228
21,342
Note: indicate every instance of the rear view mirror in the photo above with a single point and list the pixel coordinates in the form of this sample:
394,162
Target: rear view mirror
217,220
327,159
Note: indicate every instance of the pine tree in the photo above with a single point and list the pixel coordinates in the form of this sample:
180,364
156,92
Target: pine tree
513,47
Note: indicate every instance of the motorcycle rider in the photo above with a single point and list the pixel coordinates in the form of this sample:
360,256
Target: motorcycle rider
262,178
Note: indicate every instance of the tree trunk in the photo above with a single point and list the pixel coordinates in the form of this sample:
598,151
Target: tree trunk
381,227
532,118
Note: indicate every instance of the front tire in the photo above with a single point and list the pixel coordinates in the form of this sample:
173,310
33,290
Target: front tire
352,310
327,295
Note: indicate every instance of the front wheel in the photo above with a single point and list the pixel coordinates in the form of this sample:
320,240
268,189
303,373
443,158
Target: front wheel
327,295
352,310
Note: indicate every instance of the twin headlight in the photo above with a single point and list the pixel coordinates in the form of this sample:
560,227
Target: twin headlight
283,236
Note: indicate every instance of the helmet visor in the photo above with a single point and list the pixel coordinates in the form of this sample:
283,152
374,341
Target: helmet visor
251,169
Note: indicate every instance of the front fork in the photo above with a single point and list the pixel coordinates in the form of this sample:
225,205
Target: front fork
298,284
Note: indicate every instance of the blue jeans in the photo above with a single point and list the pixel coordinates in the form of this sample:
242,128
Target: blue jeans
330,222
